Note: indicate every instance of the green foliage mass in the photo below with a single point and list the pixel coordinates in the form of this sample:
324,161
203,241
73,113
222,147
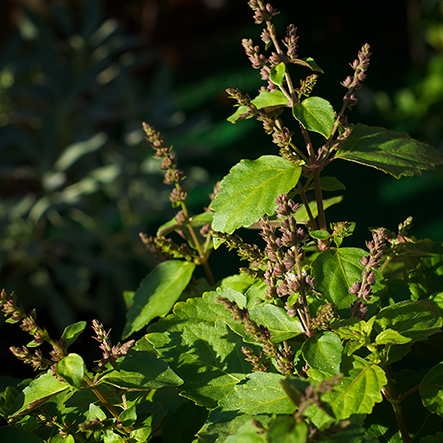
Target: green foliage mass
311,342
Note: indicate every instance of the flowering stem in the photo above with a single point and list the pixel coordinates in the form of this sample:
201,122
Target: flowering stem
105,401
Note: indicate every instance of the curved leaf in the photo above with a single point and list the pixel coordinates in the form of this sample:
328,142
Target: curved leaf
72,369
415,320
335,270
157,293
390,151
356,393
267,100
323,352
37,393
261,393
315,114
141,371
249,191
431,390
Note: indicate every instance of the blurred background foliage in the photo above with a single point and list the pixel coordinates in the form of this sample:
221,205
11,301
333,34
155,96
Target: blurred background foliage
77,78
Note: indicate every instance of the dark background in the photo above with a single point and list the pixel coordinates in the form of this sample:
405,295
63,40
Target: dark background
168,62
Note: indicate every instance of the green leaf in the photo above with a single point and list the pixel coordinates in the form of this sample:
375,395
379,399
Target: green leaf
39,391
71,332
281,326
249,191
320,234
201,348
247,433
128,417
277,74
221,425
302,214
94,412
389,151
157,293
261,393
437,438
329,184
308,62
350,434
356,393
415,320
335,271
9,434
284,429
265,100
316,115
391,337
431,390
183,422
72,369
141,371
323,352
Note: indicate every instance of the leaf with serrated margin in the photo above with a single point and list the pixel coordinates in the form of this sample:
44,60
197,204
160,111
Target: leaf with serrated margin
39,391
249,191
323,352
393,152
356,393
267,100
201,348
157,293
142,371
431,390
415,320
221,424
334,272
316,115
261,393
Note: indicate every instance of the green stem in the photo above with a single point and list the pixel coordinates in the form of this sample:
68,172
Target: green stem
105,401
201,254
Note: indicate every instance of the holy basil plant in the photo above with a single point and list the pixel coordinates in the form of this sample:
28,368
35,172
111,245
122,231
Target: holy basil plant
311,341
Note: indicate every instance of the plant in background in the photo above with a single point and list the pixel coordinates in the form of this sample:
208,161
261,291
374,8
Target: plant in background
312,341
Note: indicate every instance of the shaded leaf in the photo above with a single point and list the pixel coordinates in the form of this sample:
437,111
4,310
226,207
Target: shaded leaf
9,434
316,115
416,320
261,393
431,390
302,214
249,191
392,152
201,348
157,293
140,371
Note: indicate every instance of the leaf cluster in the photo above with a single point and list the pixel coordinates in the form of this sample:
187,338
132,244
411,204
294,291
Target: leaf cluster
313,341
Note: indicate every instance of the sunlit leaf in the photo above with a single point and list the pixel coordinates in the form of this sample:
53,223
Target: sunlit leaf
249,191
315,114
